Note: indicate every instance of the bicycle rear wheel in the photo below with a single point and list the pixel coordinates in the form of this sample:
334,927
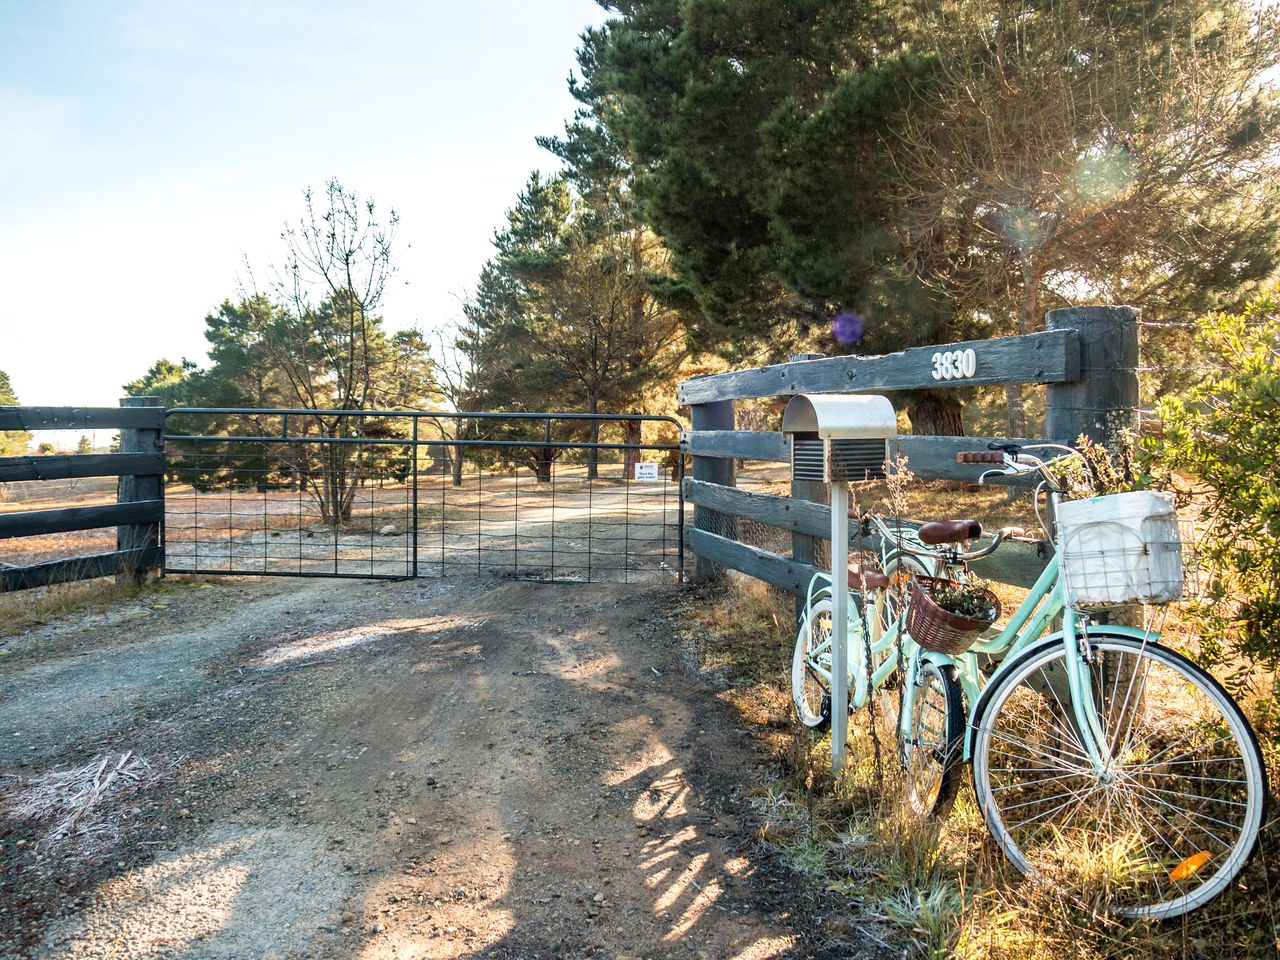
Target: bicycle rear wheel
929,741
1175,813
930,748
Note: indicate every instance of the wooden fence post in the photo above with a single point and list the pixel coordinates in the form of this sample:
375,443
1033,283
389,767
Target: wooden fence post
804,548
1104,401
142,536
711,416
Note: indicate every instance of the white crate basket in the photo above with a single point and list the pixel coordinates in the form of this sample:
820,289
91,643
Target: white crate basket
1123,548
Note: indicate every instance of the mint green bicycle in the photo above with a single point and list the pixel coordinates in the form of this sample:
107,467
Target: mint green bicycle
1098,754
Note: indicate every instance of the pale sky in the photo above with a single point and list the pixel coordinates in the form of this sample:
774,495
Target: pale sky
148,146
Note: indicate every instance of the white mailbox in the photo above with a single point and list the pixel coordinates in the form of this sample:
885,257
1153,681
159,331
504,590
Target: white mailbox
836,439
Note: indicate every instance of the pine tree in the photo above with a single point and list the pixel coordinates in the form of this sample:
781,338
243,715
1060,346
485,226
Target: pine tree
13,443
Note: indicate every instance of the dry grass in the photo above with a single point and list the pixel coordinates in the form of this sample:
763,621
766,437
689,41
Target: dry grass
23,551
940,890
85,810
24,609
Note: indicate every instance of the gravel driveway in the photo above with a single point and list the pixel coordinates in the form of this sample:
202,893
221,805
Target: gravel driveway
460,768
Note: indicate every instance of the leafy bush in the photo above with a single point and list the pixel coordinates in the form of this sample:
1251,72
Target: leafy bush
1224,434
1097,472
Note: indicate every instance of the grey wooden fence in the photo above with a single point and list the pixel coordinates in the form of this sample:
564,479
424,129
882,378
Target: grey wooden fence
1087,357
137,513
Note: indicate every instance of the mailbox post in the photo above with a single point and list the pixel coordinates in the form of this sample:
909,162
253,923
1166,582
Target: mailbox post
837,439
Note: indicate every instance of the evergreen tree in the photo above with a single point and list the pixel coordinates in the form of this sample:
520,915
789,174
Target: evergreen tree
13,443
943,172
564,316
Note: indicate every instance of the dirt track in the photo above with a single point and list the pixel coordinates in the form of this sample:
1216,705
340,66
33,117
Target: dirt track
462,768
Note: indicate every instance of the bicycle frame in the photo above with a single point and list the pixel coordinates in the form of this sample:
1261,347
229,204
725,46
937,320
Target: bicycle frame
880,646
1031,622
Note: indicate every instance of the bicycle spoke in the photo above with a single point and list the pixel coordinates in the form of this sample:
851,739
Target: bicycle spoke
1181,740
1078,807
1115,683
1027,803
1128,693
1136,812
1031,783
1193,796
1213,836
1014,741
1156,761
1066,717
1047,813
1187,776
1195,817
1234,758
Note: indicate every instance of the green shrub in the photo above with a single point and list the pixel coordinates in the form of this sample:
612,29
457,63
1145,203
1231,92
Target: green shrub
1225,434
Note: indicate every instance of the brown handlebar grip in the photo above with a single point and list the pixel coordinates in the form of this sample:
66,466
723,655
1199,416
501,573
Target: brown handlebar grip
980,456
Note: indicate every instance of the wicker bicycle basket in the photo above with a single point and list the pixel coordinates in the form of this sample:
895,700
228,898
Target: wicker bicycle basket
941,630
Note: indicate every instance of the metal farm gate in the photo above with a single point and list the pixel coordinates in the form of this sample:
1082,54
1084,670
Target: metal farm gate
387,495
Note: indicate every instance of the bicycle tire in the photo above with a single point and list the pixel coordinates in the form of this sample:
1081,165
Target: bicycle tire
1117,849
931,788
810,691
932,752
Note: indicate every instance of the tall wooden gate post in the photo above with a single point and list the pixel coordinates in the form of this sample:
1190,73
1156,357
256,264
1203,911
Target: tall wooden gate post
142,536
1104,401
711,416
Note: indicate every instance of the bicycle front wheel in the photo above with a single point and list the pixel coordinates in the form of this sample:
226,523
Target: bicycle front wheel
1170,815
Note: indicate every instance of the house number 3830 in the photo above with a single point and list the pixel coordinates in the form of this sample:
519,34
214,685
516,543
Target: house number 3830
954,364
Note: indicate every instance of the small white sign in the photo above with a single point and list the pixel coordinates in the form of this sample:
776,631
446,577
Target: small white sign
954,364
646,471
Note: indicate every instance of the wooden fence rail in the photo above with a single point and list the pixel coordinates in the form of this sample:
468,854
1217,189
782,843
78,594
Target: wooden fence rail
932,457
137,514
1049,357
1087,357
1015,562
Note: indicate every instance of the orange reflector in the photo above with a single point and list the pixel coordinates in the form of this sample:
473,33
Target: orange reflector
1189,866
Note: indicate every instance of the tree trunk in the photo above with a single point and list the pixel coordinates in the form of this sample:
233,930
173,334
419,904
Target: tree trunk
1027,323
632,432
338,482
1017,410
456,465
542,464
461,430
593,454
936,413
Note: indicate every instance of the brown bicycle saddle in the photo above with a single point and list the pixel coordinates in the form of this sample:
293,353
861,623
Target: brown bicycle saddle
873,579
949,531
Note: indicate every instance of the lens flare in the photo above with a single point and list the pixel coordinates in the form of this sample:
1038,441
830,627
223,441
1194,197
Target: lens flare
1020,228
1105,175
847,328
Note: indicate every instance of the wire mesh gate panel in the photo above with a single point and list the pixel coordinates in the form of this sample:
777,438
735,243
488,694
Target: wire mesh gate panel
393,494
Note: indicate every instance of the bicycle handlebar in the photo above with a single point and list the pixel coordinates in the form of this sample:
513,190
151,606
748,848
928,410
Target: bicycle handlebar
919,550
1010,459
